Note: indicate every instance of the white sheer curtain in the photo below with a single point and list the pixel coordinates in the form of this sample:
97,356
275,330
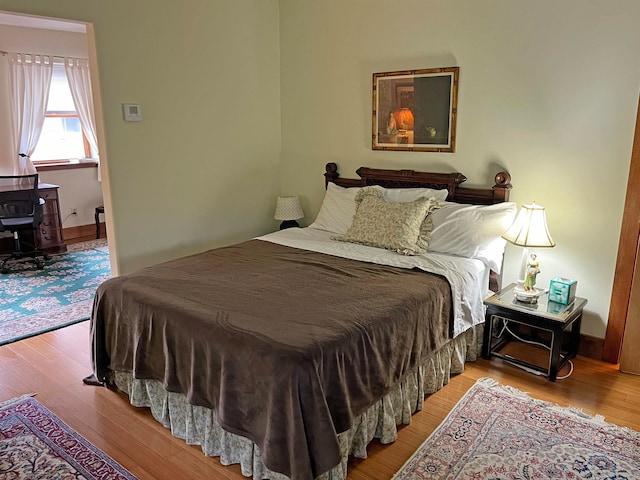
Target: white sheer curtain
80,85
30,81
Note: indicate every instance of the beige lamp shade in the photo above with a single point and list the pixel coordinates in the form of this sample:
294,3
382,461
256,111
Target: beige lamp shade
288,208
529,229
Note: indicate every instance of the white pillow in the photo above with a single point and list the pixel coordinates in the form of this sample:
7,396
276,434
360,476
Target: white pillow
338,207
412,194
337,210
472,231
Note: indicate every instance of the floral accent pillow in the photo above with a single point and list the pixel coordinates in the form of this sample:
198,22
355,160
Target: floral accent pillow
427,225
391,225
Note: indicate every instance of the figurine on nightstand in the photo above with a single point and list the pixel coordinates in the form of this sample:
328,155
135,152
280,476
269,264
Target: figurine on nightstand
532,270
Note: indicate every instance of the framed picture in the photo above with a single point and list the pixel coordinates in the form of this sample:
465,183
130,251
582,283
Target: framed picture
415,110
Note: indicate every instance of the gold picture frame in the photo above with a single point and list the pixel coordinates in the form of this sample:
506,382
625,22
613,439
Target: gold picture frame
415,110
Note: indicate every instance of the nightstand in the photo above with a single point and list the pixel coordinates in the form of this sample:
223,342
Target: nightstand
554,318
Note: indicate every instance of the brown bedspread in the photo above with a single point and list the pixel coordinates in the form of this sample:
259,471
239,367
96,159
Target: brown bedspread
287,346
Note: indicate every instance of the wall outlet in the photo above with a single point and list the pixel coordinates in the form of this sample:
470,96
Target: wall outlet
74,211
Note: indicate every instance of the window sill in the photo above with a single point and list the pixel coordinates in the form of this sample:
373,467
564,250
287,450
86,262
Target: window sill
66,164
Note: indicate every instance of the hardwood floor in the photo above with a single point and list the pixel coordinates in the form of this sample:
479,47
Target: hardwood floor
52,365
84,238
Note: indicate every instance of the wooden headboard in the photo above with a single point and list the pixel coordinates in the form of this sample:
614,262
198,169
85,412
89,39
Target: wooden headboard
411,179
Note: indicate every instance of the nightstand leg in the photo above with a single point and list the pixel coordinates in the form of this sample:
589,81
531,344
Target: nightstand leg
556,344
486,336
574,341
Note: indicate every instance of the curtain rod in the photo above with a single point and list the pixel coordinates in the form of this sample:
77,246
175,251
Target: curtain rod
58,57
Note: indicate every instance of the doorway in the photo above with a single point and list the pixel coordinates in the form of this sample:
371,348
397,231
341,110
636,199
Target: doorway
80,187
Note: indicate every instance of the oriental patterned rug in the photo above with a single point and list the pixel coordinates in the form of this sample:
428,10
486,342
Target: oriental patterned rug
497,432
35,444
35,301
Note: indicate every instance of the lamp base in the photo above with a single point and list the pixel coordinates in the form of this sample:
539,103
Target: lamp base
527,296
288,224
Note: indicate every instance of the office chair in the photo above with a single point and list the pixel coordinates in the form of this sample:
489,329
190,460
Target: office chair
20,209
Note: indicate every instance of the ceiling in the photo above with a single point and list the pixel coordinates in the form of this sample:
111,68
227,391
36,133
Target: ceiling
19,20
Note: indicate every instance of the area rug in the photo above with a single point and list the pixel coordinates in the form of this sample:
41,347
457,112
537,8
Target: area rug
35,301
497,432
35,444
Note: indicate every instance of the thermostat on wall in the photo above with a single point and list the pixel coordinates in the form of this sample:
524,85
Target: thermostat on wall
132,112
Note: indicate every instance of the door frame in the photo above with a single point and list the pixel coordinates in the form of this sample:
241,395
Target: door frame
627,248
103,164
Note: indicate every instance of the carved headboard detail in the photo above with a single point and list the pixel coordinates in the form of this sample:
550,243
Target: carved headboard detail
410,179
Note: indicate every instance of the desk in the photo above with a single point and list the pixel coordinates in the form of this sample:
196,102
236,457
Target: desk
48,237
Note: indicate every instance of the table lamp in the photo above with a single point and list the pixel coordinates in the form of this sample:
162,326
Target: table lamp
289,210
529,229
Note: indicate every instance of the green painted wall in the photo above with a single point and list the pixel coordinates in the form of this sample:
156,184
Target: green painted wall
548,91
202,168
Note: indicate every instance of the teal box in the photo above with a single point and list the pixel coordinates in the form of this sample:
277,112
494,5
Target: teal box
562,290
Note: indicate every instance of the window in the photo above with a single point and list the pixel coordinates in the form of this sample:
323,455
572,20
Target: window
62,137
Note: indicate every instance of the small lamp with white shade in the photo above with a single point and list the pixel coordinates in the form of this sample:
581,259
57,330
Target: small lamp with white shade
528,230
288,209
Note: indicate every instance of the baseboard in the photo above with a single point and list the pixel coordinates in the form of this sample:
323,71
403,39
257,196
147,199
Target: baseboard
81,231
591,347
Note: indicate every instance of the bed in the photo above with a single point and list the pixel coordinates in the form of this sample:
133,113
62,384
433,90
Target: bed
291,351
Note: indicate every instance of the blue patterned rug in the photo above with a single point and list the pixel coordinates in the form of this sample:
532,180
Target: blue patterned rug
36,301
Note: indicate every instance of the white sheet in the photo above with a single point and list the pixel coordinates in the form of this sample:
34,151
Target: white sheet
468,277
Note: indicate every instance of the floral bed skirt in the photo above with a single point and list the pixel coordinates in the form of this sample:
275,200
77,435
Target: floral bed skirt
198,426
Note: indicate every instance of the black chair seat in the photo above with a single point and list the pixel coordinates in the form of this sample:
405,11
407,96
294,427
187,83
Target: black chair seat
7,223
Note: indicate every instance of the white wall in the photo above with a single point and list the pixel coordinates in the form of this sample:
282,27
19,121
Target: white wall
78,188
202,168
548,91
